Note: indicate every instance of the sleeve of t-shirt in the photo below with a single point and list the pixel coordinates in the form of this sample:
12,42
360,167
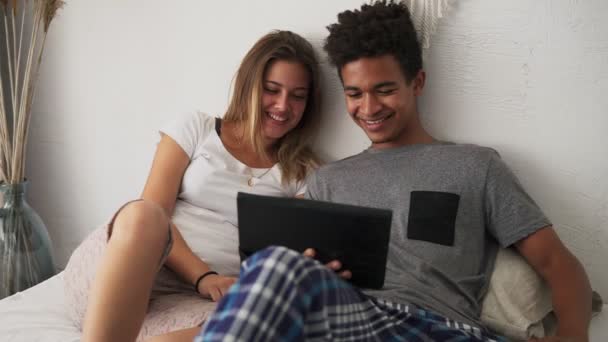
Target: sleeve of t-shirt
187,130
312,186
511,214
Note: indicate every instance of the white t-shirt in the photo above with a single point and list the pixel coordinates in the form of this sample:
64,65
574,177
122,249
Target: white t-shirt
205,210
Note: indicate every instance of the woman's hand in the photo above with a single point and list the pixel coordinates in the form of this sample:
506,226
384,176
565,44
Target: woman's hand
215,286
334,265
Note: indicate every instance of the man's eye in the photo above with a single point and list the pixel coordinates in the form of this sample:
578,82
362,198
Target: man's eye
386,91
353,95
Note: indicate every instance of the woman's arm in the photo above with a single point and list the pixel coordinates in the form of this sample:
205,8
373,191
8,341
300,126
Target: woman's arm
168,168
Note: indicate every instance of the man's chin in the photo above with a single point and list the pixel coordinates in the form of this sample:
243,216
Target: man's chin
377,139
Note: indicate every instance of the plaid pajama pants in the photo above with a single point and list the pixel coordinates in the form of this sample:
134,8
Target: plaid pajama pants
283,296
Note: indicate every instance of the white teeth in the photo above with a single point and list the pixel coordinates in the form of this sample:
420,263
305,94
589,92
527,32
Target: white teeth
369,122
277,117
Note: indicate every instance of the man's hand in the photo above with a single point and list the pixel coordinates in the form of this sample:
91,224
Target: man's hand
215,286
334,265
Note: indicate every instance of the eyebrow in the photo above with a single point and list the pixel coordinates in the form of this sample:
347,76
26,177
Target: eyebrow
281,85
376,86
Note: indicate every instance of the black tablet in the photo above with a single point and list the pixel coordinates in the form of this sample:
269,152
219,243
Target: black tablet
357,236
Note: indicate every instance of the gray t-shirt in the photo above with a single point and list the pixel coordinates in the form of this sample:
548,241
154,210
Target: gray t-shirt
452,205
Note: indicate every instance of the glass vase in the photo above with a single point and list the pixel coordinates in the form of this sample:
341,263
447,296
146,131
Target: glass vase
25,246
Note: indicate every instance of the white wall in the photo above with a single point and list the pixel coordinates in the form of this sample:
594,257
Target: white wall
526,77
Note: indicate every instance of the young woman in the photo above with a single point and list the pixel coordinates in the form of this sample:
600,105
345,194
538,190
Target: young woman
162,260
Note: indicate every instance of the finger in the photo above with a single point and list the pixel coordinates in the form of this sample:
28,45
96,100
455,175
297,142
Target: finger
218,294
227,282
334,265
224,290
309,252
345,274
215,294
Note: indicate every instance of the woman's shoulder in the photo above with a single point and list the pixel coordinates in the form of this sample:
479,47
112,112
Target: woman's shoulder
189,130
204,120
196,123
192,118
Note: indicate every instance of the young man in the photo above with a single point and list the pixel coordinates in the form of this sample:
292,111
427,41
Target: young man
453,207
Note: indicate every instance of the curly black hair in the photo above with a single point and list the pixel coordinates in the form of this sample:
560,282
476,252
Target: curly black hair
381,28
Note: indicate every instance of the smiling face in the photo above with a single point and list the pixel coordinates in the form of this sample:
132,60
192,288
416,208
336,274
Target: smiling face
382,102
284,98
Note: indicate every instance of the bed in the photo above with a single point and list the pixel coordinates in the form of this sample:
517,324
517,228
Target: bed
38,314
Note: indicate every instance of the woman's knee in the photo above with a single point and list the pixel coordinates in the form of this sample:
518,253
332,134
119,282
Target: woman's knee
140,222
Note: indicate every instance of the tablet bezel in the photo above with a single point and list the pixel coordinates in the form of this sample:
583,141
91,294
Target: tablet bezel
357,236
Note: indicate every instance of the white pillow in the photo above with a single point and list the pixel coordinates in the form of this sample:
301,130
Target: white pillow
518,299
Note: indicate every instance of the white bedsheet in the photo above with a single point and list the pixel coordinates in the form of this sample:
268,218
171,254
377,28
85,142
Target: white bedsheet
38,314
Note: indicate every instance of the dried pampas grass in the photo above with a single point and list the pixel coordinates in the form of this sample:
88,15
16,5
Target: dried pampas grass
24,28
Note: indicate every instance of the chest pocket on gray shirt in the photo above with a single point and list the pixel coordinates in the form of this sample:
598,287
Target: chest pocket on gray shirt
432,216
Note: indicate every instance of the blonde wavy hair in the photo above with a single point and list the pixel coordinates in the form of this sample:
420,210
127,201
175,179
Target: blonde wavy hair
294,155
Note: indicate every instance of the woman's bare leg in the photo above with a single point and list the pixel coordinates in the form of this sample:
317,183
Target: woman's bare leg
120,292
185,335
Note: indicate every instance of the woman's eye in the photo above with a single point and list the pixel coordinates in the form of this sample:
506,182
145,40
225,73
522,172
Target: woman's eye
270,90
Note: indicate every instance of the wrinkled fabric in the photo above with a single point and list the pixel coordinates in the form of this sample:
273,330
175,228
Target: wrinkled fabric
174,305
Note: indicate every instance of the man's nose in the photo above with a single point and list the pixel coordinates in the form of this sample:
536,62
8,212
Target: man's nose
369,105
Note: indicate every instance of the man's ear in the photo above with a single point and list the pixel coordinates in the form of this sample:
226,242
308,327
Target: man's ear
419,81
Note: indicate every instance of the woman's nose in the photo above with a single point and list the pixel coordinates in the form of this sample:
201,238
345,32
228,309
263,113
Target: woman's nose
281,102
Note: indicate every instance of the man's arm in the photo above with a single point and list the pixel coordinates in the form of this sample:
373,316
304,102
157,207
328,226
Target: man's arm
571,291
